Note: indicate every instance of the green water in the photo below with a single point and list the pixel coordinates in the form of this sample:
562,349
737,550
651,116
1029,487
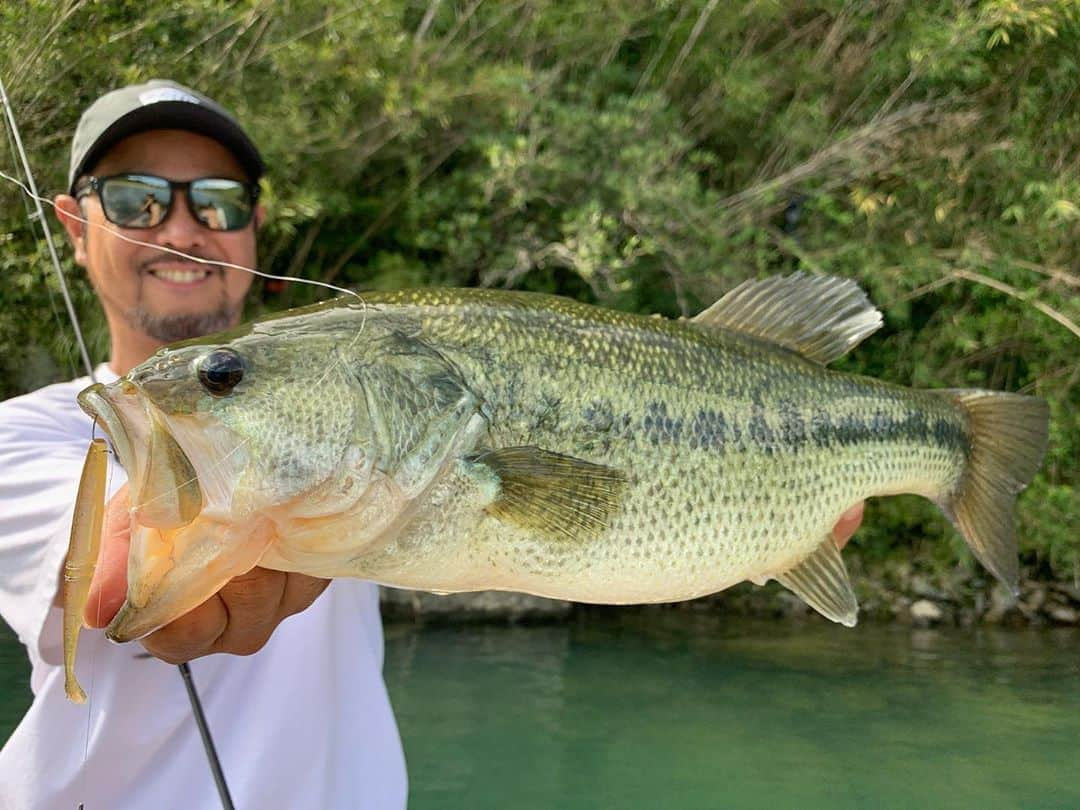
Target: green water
679,710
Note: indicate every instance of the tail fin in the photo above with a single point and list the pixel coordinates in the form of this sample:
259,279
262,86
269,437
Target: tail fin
1008,434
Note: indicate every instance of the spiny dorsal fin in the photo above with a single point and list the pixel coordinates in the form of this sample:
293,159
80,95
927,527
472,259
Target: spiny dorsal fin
558,496
821,580
820,317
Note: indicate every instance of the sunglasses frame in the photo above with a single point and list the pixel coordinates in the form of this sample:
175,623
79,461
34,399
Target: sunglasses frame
93,184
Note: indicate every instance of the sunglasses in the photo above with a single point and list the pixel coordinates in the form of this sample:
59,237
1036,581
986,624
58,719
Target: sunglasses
144,200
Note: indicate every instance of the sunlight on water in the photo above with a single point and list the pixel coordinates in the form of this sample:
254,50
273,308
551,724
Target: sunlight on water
675,709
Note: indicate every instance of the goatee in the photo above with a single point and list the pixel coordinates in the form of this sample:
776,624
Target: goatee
170,328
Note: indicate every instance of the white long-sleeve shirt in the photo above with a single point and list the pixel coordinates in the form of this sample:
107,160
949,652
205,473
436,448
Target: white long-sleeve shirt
303,723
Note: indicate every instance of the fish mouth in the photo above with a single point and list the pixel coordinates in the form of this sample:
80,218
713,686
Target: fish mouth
97,404
165,498
165,491
185,544
192,564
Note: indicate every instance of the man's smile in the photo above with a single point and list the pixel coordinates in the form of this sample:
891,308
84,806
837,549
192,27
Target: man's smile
181,273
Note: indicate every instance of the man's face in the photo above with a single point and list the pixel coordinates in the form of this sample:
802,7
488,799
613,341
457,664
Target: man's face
148,291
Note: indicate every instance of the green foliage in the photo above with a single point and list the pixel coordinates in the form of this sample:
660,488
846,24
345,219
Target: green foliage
642,154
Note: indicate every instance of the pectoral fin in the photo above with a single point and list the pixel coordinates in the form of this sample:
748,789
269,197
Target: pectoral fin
821,580
559,496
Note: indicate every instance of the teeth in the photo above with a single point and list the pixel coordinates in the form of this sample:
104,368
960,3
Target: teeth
180,276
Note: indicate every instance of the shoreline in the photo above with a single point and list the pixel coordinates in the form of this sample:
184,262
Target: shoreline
916,600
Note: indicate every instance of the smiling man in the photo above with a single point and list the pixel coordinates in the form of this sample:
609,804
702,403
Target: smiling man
153,297
299,713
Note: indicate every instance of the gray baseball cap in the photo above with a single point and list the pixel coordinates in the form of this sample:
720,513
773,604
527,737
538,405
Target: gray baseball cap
158,104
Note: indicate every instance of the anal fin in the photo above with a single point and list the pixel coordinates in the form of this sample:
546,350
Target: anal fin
821,580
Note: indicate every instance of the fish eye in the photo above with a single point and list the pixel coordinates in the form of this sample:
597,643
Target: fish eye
220,371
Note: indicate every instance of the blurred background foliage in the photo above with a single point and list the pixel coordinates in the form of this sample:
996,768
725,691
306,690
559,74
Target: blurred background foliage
643,154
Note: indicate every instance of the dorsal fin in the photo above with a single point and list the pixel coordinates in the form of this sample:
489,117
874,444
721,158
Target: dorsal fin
819,317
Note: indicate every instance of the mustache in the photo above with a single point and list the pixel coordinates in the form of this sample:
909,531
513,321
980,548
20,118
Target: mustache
200,260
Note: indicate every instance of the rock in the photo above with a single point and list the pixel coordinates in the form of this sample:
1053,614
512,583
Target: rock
1064,615
921,587
924,613
1035,599
482,606
1001,603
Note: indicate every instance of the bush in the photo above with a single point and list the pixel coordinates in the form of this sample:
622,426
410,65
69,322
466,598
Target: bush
643,155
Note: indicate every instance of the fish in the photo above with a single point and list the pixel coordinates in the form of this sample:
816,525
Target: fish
452,440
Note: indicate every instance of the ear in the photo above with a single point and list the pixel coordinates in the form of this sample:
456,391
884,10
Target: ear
260,215
71,217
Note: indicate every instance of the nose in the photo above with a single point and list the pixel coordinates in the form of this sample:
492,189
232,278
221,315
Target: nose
180,230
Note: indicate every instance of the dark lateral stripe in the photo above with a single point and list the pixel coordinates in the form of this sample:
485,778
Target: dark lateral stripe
712,429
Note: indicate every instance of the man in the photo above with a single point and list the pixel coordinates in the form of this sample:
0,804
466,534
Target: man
303,720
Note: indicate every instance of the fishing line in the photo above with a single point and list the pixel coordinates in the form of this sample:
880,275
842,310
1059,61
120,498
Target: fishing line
200,260
30,217
30,190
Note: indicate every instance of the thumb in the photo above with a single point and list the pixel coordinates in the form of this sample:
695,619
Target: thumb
108,588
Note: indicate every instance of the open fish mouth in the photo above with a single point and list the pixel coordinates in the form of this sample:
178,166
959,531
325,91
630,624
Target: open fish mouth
165,492
164,488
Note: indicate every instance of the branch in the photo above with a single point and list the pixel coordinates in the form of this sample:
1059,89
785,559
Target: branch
691,41
859,144
1001,286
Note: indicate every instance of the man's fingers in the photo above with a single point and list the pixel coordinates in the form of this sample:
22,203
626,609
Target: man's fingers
251,601
847,524
239,619
192,635
300,592
109,585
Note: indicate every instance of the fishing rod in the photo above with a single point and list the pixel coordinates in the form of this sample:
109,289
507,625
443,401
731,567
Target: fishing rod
39,215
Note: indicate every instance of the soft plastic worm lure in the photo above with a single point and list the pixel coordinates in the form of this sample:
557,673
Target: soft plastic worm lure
82,556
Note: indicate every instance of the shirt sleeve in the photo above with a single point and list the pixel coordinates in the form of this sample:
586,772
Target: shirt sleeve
40,465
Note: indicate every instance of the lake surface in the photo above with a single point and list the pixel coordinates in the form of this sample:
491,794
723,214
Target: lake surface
675,709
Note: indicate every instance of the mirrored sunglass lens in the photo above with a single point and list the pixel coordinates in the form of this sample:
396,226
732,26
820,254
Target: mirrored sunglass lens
135,201
223,205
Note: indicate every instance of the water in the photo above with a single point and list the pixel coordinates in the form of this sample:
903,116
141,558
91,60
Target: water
674,709
683,711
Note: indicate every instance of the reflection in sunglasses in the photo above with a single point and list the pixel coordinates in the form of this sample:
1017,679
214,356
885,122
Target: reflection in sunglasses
211,217
152,209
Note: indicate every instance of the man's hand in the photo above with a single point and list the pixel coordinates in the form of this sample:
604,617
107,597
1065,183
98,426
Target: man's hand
237,619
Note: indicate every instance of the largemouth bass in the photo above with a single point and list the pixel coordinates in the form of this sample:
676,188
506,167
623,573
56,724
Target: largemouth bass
459,440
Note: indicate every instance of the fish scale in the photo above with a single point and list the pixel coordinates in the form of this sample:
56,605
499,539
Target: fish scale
456,440
708,513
